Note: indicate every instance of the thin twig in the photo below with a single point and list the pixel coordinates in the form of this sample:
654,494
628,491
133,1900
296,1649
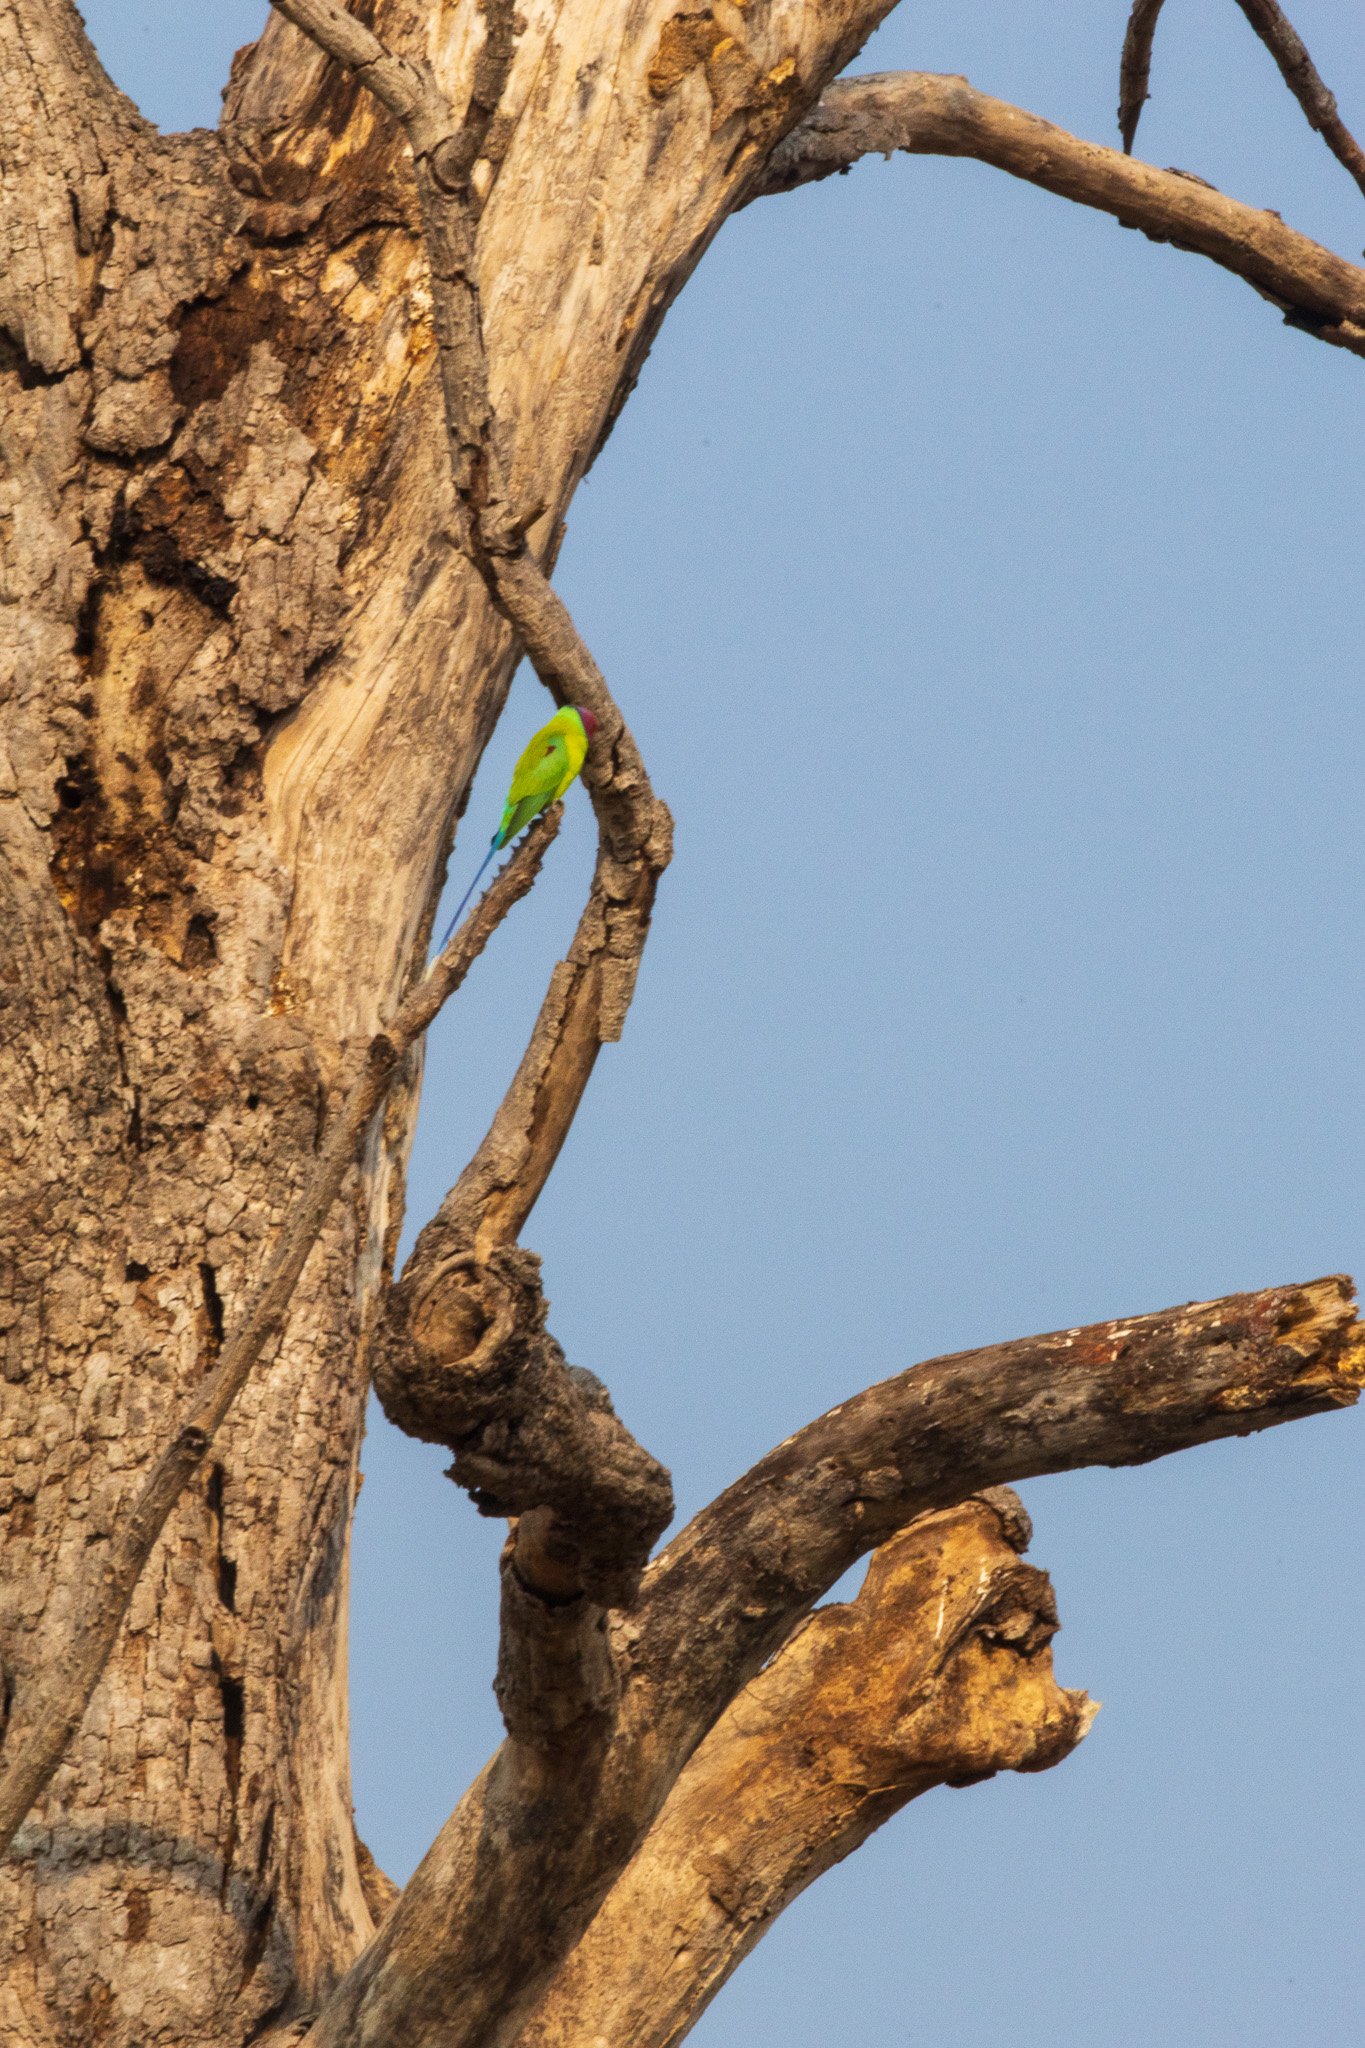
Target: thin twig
1135,68
44,1723
928,115
1304,80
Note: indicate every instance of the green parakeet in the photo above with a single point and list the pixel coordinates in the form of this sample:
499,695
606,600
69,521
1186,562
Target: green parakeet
545,770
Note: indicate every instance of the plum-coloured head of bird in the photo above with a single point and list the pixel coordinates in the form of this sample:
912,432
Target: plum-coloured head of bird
589,721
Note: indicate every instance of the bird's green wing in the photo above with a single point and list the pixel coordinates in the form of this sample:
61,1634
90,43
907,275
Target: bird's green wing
535,783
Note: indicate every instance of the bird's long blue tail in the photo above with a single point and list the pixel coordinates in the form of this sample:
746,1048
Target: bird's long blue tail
468,893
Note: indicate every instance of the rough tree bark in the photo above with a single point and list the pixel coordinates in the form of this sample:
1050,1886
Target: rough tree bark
256,629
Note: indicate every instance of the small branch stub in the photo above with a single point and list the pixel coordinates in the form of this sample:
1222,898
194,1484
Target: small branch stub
1135,68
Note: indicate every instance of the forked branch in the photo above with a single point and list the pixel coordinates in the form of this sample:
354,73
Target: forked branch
513,1879
728,1589
928,115
1285,45
938,1673
604,1718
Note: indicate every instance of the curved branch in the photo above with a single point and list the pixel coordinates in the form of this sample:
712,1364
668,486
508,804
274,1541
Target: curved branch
586,1003
513,1878
731,1585
590,991
1304,80
44,1722
924,114
938,1673
1135,68
561,1555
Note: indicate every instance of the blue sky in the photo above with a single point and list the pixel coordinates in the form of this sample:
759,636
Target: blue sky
984,586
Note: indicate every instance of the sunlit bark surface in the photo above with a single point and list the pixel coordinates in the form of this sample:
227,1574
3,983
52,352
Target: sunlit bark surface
249,661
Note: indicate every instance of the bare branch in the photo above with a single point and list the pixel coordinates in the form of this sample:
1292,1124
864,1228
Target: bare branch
940,1672
1302,77
730,1586
44,1722
596,1741
1135,68
517,1872
590,991
586,1003
925,114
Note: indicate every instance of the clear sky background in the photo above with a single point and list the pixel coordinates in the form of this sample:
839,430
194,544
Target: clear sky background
983,584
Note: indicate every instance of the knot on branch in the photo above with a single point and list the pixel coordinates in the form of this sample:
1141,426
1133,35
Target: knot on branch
464,1359
451,164
637,825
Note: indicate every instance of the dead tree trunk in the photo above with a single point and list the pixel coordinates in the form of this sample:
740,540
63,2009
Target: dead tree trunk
285,462
249,678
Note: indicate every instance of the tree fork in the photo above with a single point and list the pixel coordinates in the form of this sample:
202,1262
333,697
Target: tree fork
938,1672
514,1879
